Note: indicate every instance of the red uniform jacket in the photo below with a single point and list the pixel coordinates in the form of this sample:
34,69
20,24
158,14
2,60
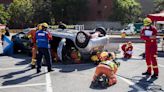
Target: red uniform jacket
130,48
150,38
123,47
32,33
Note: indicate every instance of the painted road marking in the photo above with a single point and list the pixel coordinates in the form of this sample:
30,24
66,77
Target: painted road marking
131,83
26,85
48,82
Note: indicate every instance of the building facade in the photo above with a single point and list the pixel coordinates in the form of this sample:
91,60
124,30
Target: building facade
99,10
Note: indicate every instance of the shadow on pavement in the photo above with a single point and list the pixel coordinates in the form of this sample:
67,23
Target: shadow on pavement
21,80
24,59
10,75
146,83
73,67
97,87
131,59
160,53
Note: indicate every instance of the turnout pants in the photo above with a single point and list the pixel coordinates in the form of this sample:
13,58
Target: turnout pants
46,53
151,58
34,51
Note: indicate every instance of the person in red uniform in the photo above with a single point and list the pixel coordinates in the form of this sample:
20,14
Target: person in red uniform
148,34
31,34
127,48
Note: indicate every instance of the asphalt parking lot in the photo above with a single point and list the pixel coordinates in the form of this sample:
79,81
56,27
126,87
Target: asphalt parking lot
16,76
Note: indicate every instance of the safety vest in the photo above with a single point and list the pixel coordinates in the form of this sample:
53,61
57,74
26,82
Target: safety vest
42,39
109,63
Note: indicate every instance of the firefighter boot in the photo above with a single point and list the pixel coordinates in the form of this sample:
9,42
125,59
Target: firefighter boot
33,63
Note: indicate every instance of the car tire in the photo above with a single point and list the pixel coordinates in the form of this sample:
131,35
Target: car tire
82,39
101,30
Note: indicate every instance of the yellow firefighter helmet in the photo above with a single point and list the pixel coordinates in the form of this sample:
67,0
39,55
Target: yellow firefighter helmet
147,21
3,31
44,25
104,54
94,58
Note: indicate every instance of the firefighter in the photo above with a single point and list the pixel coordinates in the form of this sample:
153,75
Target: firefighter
127,49
98,56
34,47
95,57
107,68
148,34
75,55
42,39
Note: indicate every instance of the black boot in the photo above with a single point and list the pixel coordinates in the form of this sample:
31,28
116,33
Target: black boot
38,71
154,76
146,73
32,66
50,70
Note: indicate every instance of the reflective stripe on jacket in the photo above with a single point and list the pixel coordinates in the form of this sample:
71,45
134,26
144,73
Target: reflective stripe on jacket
109,63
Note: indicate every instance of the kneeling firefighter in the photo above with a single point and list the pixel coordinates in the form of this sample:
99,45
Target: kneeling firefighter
127,49
107,68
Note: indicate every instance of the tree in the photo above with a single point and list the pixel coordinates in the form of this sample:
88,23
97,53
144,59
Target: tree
42,11
159,5
70,11
21,12
4,16
126,10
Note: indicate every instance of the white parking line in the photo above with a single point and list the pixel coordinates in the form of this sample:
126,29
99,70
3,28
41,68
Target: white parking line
48,82
26,85
131,83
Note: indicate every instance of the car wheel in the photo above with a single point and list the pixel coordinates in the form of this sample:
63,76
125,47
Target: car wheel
101,30
82,39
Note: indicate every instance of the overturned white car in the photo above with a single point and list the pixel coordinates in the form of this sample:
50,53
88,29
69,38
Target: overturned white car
85,42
